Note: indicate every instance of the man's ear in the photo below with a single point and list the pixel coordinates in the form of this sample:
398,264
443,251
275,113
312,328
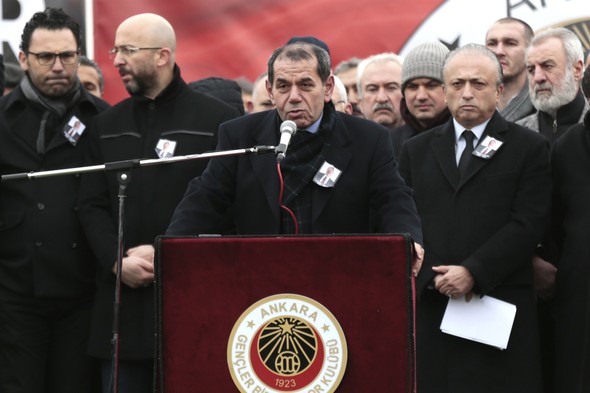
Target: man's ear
269,90
499,90
578,70
22,60
164,57
329,85
348,108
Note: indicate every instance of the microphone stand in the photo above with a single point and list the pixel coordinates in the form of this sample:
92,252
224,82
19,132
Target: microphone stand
124,177
128,164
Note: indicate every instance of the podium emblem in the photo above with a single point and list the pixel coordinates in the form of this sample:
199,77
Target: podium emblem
287,343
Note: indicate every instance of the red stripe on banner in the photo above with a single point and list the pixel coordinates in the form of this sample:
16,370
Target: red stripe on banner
232,38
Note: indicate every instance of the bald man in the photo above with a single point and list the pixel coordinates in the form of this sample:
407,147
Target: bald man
260,99
161,110
340,98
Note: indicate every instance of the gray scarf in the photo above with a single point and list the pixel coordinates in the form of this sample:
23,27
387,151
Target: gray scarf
53,107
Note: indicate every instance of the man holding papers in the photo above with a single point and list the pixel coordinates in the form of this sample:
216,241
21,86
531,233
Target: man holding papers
482,219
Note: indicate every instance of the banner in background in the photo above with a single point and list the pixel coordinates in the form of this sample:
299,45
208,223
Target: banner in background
233,38
14,14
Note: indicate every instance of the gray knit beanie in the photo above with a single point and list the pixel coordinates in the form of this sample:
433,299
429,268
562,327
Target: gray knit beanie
424,61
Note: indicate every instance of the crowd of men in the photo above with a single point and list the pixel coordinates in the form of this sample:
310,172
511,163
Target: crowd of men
480,154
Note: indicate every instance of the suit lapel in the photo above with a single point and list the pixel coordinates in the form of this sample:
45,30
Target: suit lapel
337,154
17,123
59,139
443,147
265,166
495,128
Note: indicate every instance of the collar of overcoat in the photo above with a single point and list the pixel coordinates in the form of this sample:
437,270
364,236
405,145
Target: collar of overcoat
443,147
337,153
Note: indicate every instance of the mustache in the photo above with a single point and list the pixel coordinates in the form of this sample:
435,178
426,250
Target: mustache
382,105
543,86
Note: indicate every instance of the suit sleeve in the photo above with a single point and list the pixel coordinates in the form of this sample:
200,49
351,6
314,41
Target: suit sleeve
426,273
96,216
390,196
205,207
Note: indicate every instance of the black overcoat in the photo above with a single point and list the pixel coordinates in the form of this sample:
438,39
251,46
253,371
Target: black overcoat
43,251
369,195
131,130
571,226
490,222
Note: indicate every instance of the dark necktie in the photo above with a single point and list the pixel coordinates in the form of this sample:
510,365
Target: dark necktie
466,155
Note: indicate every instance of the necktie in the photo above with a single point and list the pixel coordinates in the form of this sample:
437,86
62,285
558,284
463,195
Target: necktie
466,155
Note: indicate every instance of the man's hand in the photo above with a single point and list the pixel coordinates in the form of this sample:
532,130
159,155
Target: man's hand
145,251
544,278
454,281
137,268
418,259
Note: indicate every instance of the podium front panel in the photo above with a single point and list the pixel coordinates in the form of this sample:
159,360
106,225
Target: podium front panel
204,285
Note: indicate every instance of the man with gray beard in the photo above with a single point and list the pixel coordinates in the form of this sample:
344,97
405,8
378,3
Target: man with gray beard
555,65
554,62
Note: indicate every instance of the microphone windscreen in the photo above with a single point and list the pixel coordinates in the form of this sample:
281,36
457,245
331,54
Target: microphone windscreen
289,127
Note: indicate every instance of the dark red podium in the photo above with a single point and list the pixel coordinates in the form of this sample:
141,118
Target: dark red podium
205,285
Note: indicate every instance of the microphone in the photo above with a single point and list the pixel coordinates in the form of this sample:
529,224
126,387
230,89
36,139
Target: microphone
288,129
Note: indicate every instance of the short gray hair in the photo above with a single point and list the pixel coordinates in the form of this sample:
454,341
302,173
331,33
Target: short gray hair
477,50
346,65
571,43
379,58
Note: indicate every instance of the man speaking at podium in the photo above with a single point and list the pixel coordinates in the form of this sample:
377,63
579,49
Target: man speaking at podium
244,194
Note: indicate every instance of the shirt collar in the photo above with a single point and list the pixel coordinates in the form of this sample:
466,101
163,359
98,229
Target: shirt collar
315,126
477,130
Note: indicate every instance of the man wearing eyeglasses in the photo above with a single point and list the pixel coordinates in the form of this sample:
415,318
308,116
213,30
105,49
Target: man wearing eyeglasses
162,109
47,271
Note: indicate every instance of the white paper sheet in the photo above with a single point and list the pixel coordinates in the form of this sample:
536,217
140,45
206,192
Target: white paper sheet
486,320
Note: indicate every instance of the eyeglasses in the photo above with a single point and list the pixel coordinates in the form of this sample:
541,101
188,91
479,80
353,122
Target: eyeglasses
48,58
127,50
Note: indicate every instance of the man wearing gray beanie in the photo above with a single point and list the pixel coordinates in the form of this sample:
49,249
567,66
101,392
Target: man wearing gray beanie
423,104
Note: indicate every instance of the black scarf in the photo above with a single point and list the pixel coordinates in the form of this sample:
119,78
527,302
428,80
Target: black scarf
55,109
304,158
441,118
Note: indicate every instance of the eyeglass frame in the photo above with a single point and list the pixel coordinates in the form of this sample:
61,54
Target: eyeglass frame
55,55
129,49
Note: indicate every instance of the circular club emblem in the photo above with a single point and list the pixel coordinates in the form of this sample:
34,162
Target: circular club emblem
287,343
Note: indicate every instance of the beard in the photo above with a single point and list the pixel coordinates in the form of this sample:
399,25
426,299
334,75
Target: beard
560,94
144,79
